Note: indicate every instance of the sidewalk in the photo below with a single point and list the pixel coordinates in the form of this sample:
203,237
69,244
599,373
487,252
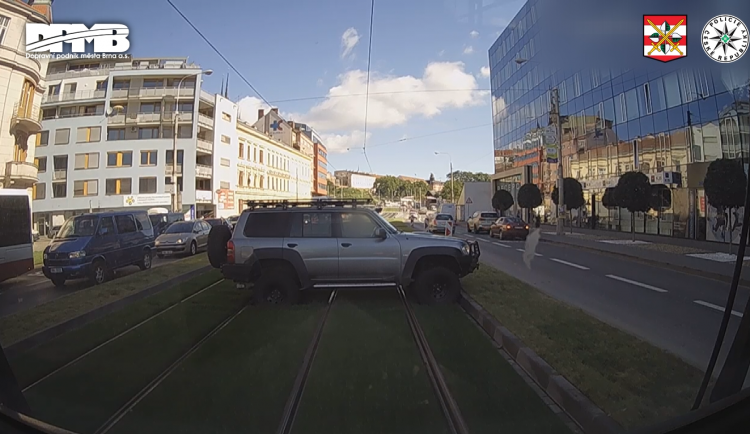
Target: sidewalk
704,258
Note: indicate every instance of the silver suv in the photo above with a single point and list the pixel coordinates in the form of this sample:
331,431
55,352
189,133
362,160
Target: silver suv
284,247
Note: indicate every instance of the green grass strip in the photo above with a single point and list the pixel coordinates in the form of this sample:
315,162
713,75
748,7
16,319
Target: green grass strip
43,359
84,395
633,381
491,395
238,382
367,376
21,325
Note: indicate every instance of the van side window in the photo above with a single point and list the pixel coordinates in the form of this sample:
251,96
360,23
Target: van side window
125,224
142,222
15,221
107,224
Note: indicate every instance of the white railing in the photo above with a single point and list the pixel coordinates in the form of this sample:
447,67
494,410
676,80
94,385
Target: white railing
168,169
61,174
205,145
205,120
203,171
21,170
74,96
149,117
184,116
105,70
204,196
167,91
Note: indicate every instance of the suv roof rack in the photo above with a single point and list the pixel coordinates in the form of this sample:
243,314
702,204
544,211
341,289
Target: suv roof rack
310,203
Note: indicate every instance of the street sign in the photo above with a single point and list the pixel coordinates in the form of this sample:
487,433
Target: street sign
468,201
550,134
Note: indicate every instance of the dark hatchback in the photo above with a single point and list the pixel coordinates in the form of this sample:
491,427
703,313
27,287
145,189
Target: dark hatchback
508,228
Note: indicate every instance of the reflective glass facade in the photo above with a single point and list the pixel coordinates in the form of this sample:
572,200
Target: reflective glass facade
670,126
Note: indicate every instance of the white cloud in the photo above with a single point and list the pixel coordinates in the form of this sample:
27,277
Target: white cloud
474,34
339,143
248,108
349,40
468,50
394,100
484,71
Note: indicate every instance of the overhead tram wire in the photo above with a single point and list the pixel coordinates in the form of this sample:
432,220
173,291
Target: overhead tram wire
187,20
367,87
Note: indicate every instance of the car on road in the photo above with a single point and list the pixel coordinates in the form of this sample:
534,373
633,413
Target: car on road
161,221
481,221
16,234
216,221
281,251
507,228
183,238
93,245
439,223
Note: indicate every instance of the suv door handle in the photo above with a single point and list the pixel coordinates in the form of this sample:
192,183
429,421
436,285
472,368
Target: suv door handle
346,244
292,245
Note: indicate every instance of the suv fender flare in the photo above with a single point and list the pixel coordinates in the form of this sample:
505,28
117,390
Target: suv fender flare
289,255
421,252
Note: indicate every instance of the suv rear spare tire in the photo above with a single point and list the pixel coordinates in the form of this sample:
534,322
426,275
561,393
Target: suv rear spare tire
276,286
217,245
437,285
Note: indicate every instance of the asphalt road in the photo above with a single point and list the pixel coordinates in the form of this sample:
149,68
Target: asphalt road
33,289
678,312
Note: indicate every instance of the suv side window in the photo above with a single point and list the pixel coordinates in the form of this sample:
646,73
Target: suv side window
357,225
125,224
312,225
144,223
267,225
108,225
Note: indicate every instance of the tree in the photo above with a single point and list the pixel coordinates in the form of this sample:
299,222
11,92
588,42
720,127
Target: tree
529,196
464,177
502,200
573,194
633,191
457,186
725,188
387,187
608,199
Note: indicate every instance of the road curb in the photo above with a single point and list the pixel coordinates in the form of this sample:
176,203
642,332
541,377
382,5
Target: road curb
585,413
661,264
81,320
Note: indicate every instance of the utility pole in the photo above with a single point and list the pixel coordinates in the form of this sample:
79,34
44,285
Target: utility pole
555,118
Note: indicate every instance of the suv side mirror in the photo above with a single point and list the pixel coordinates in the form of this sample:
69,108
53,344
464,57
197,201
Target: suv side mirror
381,233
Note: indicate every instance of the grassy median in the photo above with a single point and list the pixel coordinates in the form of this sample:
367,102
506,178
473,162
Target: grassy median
18,326
45,358
402,226
631,380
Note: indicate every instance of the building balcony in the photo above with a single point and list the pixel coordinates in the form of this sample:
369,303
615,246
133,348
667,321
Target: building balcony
207,97
183,116
160,92
205,145
168,169
205,120
204,196
25,119
74,96
202,171
20,174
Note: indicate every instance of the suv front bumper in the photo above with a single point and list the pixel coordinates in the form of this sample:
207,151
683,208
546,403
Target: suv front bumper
469,263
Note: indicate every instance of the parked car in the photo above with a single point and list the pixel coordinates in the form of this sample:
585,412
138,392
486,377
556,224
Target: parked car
183,237
508,228
162,221
439,223
481,221
233,220
282,251
94,245
216,221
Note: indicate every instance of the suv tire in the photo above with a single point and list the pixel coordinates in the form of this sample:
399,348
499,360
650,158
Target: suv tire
438,285
217,245
276,286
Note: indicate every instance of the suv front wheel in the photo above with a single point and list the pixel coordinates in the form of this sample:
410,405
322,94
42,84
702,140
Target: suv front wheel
276,286
438,285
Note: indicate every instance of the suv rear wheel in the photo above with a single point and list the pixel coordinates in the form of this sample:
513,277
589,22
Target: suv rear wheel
276,286
437,285
217,245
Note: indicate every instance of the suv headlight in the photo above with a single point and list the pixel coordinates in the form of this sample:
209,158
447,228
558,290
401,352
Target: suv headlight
78,254
465,249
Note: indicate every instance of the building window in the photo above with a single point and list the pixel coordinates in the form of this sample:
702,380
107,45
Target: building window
147,185
118,186
101,85
62,136
85,188
59,189
153,83
225,162
87,161
148,158
150,107
226,116
170,156
115,133
4,21
89,134
120,84
225,139
148,133
168,181
672,90
38,191
42,138
241,179
242,151
41,164
647,99
623,112
224,185
185,132
167,132
631,102
50,113
120,159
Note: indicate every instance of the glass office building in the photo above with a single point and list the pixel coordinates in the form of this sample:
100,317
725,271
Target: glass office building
668,126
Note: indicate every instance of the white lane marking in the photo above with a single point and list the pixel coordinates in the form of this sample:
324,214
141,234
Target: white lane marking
580,267
715,307
470,235
716,256
483,240
524,251
500,244
633,282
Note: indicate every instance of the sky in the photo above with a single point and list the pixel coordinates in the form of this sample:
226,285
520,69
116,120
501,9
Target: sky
429,75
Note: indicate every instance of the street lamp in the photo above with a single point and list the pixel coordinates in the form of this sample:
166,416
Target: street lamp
175,201
451,165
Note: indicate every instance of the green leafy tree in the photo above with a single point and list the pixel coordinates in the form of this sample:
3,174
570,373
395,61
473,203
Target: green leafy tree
529,196
464,177
633,192
456,187
573,195
502,200
725,185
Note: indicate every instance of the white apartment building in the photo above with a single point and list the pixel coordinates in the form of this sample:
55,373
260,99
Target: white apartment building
107,139
21,89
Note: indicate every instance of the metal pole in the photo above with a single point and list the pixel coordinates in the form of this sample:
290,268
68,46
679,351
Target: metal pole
175,200
297,175
453,192
555,113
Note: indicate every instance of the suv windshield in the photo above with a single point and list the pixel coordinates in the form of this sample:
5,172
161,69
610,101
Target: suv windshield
388,226
82,226
180,228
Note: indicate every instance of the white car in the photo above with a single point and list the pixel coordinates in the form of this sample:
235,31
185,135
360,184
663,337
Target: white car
440,223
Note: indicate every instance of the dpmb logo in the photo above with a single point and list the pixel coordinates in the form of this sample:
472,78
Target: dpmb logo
664,37
48,40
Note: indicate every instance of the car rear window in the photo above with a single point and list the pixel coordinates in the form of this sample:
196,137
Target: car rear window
488,215
513,220
443,217
267,225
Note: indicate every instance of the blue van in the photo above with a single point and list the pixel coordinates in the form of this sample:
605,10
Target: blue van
94,245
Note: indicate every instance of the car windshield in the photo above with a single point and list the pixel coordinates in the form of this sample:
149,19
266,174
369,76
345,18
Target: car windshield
82,226
488,215
180,228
